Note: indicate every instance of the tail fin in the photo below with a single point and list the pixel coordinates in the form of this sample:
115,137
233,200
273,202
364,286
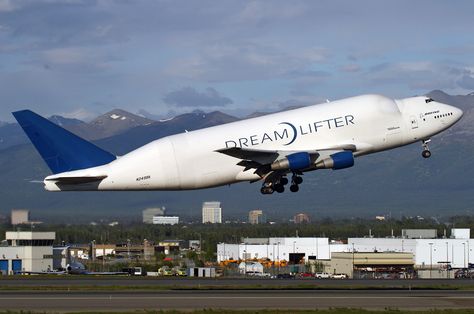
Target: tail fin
60,149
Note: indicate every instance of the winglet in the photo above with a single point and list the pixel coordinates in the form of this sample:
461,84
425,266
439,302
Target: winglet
61,150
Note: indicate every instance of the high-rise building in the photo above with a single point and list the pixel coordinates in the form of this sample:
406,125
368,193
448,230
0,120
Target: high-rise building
20,216
211,212
149,213
301,218
256,217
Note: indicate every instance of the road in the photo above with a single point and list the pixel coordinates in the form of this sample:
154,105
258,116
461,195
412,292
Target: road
233,299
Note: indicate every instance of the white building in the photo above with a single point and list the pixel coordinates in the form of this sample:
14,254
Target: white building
27,251
165,220
456,251
20,216
149,213
211,212
279,249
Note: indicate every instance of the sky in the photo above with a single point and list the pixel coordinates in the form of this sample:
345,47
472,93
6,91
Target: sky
81,58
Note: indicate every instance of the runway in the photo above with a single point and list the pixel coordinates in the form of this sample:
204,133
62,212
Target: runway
84,293
232,299
183,283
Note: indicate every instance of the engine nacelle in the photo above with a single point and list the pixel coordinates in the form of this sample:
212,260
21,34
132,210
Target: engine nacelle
336,161
296,161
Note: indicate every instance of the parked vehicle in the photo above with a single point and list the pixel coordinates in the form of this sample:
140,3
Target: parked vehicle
322,275
305,275
165,271
285,276
134,271
339,276
178,271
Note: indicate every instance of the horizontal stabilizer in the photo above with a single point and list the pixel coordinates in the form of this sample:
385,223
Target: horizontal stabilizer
61,150
76,180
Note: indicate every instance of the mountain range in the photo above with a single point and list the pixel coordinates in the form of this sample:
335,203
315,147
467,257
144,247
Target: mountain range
396,182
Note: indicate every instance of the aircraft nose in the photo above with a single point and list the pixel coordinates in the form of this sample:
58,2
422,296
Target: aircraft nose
458,113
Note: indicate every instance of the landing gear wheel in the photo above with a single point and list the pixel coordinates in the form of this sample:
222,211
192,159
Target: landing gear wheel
279,188
283,181
266,190
426,150
294,188
297,180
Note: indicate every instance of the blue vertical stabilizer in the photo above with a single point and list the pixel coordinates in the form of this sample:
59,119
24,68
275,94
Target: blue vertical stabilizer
61,150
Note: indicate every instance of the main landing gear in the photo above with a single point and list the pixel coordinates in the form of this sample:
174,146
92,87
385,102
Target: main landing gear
426,153
279,186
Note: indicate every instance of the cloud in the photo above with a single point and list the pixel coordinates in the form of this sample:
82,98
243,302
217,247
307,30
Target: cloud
247,60
55,54
6,5
466,82
189,97
350,68
80,114
416,75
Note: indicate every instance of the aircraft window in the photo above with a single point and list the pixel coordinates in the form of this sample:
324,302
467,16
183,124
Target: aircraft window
427,100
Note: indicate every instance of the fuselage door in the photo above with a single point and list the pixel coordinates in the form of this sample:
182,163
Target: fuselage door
413,122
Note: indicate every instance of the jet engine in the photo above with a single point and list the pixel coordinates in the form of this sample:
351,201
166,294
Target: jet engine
293,162
336,161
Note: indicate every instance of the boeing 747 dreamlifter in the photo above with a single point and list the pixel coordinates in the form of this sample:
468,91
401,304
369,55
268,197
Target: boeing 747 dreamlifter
275,149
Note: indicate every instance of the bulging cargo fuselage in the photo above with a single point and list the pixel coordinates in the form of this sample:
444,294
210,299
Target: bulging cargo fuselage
194,160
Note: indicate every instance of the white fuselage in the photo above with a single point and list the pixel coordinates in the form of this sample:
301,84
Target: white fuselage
370,123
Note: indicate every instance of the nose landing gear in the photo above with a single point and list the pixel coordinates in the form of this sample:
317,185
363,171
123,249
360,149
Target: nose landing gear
426,153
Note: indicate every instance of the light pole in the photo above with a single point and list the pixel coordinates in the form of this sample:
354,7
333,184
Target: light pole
128,248
273,257
464,250
431,257
468,252
447,259
278,248
317,248
353,264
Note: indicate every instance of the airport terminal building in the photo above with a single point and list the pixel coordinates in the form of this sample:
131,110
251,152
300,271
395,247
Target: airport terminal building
26,251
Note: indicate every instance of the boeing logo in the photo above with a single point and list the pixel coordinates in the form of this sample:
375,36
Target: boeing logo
289,133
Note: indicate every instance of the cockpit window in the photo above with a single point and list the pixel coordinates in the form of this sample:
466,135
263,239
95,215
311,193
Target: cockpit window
427,100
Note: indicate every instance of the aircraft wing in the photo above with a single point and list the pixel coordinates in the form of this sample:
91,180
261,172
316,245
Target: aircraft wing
104,273
259,156
23,272
261,160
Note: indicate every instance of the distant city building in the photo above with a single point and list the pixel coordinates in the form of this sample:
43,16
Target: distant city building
256,217
20,216
149,213
165,220
301,218
211,212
